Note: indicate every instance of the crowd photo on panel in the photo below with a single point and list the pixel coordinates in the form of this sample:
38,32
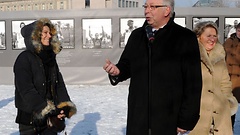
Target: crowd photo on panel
182,81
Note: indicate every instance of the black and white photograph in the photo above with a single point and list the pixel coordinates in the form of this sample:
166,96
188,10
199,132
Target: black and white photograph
196,20
230,26
65,29
17,39
97,33
127,25
2,36
180,21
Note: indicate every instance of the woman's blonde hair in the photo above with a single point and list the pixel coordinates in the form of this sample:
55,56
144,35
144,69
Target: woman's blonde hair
201,26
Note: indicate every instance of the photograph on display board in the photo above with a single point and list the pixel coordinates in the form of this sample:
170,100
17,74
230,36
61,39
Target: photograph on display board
17,39
196,20
2,36
97,33
127,25
180,21
65,29
230,26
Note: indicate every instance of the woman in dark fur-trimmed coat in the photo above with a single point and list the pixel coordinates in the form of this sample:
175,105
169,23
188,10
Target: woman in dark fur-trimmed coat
40,91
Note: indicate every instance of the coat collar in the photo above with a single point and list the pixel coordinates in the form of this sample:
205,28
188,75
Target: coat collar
209,60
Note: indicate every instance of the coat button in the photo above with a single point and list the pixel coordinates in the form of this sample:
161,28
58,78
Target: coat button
210,91
215,112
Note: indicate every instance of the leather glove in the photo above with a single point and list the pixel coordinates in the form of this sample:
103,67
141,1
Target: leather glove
40,124
56,124
57,111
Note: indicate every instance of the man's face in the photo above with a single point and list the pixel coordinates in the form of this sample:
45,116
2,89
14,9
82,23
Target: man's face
235,23
156,16
238,32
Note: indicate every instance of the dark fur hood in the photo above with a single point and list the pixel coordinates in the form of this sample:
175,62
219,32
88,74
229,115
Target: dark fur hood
32,36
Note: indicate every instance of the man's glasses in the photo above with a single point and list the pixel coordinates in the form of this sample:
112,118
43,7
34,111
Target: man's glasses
153,7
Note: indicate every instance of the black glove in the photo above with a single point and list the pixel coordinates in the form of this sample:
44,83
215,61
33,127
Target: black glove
40,123
56,124
66,110
57,111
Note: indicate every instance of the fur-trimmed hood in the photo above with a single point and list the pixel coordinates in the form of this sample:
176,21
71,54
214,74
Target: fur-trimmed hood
32,36
217,54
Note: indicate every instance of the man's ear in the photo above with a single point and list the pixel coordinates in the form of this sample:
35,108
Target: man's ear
167,11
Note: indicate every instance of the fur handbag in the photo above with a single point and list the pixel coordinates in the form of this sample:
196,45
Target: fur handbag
56,124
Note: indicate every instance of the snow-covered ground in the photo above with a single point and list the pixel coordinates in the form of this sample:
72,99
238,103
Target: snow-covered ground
102,110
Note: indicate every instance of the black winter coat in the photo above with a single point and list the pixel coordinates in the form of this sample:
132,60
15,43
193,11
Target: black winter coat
165,88
31,94
30,81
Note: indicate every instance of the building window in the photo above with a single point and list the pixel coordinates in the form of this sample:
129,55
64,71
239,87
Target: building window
123,3
15,8
61,5
130,3
136,4
43,6
87,3
119,3
29,7
8,8
35,7
126,3
51,6
22,7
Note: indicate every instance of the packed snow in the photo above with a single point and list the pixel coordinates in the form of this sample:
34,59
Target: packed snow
102,110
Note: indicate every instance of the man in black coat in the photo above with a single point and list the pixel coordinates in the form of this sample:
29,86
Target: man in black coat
165,71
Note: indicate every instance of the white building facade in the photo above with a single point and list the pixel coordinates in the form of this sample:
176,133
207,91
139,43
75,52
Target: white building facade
28,5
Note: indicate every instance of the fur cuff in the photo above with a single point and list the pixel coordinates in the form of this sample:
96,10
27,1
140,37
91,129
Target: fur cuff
49,108
70,104
233,105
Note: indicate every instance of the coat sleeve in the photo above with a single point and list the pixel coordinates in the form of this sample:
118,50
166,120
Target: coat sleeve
226,89
123,65
63,97
192,85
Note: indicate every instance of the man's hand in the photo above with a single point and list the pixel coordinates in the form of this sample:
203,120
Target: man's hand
182,131
110,68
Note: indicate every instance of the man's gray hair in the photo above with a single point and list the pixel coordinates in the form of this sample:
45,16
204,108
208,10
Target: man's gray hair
170,3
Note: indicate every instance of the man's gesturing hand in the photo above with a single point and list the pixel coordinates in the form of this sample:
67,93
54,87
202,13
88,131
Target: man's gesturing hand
110,68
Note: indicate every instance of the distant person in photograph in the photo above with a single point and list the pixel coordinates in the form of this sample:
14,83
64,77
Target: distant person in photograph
164,69
232,47
97,39
233,29
2,41
41,97
217,101
128,31
20,41
59,30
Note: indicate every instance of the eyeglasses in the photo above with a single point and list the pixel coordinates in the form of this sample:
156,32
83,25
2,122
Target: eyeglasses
153,7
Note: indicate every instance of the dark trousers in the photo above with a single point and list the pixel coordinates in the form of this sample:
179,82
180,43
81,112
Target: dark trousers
233,120
29,130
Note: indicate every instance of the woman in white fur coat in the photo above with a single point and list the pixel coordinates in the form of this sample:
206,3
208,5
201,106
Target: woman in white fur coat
217,101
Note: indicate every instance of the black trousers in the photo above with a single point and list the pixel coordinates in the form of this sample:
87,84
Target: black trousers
29,130
233,120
